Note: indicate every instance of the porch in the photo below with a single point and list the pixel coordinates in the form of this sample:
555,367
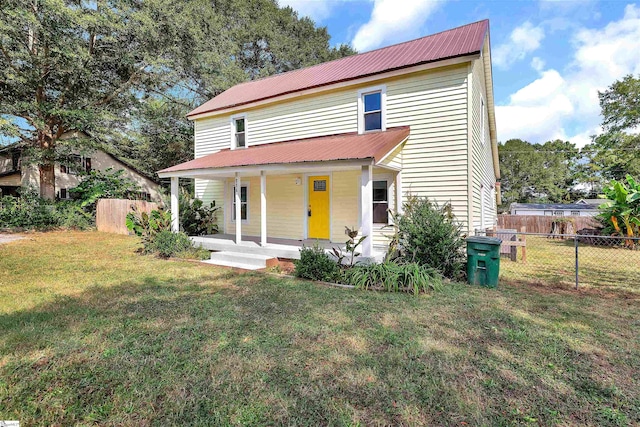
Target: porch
276,197
275,247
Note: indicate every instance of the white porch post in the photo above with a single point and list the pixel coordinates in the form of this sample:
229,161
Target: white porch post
238,210
263,208
399,205
175,193
366,206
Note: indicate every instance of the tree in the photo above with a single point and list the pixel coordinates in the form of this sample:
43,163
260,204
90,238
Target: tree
159,137
620,105
538,172
616,152
87,65
519,171
71,65
613,155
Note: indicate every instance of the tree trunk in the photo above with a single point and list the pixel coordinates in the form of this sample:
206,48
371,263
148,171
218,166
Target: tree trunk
47,181
46,167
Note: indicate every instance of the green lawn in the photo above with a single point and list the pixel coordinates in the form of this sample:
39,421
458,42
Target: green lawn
92,333
551,262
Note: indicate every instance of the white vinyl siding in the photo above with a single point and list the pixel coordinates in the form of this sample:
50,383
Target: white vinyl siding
484,179
434,159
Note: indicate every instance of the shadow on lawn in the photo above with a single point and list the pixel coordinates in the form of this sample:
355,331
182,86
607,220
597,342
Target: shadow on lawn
253,349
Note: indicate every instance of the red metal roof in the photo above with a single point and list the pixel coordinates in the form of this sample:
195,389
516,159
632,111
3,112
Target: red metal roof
347,146
461,41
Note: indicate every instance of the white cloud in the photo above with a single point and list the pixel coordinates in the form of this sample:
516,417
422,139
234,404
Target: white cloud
523,40
318,10
393,21
564,104
537,64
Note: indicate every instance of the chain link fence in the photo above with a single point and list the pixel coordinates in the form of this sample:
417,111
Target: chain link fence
569,260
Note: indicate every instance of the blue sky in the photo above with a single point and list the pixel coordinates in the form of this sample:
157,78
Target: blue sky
550,57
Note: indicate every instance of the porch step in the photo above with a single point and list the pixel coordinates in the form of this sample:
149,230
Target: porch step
239,260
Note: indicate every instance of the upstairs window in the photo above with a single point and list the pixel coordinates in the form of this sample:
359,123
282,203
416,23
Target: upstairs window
238,132
75,165
372,111
371,107
380,202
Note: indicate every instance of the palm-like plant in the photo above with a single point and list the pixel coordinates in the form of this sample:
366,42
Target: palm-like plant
622,212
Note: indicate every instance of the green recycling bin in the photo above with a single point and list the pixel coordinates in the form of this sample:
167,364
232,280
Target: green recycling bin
483,261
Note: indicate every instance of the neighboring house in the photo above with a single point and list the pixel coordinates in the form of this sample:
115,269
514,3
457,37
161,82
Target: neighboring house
555,209
342,143
592,202
14,174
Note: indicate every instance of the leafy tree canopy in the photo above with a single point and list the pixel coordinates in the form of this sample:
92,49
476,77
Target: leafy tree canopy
537,172
88,65
620,105
616,152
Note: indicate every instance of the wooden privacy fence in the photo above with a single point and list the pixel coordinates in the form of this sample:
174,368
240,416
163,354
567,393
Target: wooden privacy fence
112,213
543,224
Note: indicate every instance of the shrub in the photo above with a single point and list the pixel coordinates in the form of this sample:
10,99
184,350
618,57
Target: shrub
147,225
71,216
103,184
195,218
30,211
154,230
394,277
315,264
167,243
429,235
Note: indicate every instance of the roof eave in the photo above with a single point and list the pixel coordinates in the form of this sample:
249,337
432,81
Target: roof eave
223,172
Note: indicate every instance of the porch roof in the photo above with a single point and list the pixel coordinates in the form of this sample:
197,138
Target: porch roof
347,146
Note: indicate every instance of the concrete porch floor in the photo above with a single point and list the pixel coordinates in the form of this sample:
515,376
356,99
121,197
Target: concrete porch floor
276,247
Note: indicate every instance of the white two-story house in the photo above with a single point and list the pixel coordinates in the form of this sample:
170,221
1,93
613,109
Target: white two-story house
304,154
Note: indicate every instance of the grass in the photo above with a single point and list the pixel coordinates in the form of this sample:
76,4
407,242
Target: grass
91,333
552,262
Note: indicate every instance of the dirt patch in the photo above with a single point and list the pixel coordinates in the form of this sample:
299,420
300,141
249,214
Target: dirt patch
283,266
6,238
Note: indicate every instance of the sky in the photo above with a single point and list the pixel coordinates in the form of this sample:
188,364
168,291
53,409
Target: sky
550,57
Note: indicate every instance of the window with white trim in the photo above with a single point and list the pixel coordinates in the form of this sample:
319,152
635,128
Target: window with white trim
380,202
244,203
372,103
372,109
238,132
558,213
575,213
